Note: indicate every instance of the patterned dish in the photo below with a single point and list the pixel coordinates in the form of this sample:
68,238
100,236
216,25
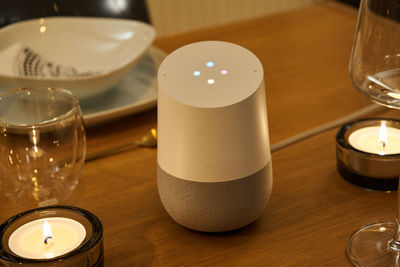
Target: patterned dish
85,55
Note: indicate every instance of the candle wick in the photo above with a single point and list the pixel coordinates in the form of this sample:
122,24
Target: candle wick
382,144
46,239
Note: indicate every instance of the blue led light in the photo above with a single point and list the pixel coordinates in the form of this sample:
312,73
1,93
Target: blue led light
196,73
210,64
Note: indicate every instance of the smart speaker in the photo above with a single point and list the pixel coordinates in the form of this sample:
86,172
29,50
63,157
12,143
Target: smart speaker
214,159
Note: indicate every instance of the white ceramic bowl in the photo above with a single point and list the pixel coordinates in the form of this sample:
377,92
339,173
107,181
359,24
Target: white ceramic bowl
84,55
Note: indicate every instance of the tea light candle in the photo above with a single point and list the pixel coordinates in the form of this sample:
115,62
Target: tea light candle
368,153
52,236
379,140
47,238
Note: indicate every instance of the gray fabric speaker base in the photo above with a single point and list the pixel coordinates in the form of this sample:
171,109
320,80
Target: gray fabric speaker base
215,207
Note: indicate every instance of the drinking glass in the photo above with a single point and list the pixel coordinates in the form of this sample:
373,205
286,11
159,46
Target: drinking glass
42,145
375,72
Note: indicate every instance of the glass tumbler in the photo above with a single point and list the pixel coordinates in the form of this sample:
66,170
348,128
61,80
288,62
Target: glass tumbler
42,145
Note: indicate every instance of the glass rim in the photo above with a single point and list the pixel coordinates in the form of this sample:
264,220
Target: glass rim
64,92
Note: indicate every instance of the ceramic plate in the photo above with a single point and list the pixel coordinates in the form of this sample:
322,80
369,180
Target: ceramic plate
82,54
136,92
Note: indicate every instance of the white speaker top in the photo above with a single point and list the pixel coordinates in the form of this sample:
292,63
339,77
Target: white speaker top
213,74
212,119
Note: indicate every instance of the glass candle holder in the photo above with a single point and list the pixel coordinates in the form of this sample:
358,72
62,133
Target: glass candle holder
42,145
57,236
368,153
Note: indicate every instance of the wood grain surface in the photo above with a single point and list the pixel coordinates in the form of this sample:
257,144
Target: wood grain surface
312,211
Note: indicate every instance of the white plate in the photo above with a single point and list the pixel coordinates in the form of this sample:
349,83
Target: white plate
82,54
136,92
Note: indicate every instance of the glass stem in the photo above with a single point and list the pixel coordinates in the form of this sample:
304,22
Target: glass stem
395,243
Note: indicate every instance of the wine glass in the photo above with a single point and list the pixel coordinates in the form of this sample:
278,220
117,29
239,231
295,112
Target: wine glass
42,145
375,72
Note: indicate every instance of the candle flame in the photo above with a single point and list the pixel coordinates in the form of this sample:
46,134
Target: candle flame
382,136
47,234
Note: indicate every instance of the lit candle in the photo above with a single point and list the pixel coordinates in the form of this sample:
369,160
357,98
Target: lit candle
368,153
58,236
381,140
47,238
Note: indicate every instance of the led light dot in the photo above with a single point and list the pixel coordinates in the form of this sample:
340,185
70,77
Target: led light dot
224,72
196,73
210,81
210,64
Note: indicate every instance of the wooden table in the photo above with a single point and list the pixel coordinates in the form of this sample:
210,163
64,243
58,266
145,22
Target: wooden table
312,211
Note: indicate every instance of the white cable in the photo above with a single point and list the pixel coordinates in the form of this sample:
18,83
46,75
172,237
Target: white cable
324,127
